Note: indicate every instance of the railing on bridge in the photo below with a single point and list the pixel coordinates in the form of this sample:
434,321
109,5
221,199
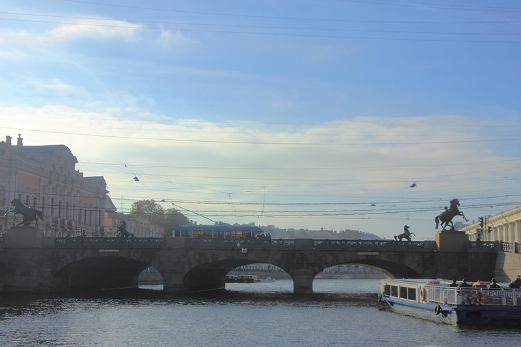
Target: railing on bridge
316,244
150,242
510,247
240,243
507,247
368,244
483,245
107,242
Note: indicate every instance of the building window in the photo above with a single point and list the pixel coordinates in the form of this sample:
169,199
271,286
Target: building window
59,209
35,202
52,207
43,204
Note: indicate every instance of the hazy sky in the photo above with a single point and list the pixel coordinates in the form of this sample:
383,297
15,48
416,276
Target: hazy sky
302,114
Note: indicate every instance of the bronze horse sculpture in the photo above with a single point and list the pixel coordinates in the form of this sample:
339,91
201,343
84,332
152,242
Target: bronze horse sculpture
122,230
406,234
29,214
445,218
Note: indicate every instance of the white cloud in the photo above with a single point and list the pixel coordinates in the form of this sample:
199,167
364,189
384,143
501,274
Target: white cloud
354,162
170,38
52,84
81,28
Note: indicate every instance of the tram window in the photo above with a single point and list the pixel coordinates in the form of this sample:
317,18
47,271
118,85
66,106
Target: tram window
411,293
394,290
201,233
403,292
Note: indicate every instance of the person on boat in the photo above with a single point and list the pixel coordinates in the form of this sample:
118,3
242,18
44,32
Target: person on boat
494,285
515,283
464,284
453,284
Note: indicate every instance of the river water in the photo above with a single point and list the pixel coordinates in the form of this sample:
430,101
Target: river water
341,312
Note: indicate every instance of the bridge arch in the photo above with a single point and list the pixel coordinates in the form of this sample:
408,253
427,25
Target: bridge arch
101,273
391,269
212,275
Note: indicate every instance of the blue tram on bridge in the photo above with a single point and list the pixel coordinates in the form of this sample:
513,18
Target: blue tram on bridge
218,231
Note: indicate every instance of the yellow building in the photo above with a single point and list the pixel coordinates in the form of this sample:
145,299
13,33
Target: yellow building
45,178
505,226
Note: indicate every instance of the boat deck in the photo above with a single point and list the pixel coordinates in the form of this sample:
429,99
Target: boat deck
434,299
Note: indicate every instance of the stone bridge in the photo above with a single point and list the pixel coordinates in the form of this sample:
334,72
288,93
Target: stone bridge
31,262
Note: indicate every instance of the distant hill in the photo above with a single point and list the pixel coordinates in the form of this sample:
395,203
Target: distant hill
318,234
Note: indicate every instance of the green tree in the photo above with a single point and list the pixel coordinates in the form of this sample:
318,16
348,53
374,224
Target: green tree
174,217
157,215
149,208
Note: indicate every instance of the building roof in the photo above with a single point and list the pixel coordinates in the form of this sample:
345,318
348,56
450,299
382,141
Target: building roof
43,149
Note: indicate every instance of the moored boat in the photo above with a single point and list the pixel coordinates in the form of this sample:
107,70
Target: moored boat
246,279
265,279
435,300
231,278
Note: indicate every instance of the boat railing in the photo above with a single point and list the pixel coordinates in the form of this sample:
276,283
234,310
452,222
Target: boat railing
472,296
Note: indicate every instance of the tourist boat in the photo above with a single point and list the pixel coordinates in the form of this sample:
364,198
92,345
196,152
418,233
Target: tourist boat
246,279
231,278
434,300
265,279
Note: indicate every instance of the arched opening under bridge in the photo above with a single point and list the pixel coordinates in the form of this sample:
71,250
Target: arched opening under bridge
151,279
101,273
219,274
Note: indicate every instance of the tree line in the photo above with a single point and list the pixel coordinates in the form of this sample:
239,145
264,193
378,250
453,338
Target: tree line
156,214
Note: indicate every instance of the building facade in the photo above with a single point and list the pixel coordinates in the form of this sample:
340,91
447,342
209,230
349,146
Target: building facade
505,227
45,178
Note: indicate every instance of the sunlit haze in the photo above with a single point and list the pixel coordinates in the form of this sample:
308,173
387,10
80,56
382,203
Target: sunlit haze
364,115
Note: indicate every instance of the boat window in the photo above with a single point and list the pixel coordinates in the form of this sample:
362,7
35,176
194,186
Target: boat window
394,290
387,289
411,293
403,292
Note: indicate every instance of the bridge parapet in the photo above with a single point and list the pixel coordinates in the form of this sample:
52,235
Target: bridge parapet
239,243
509,247
483,246
370,245
108,242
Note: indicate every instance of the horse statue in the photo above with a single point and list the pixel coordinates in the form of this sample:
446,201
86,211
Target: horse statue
405,235
29,214
445,218
122,230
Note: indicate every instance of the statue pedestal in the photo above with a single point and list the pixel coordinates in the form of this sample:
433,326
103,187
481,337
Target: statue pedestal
455,241
23,237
